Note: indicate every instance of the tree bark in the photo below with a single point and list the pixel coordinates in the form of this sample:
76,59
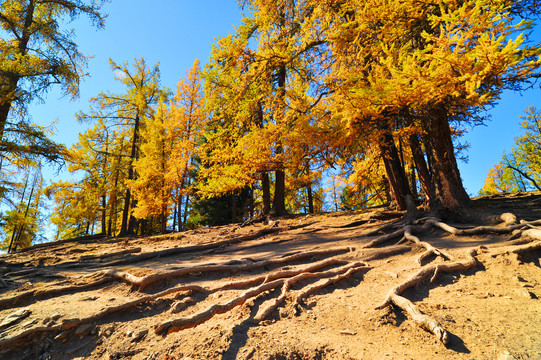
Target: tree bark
395,172
265,187
125,227
278,203
422,168
310,199
450,190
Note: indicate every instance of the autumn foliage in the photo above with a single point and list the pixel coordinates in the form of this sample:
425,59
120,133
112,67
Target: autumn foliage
371,94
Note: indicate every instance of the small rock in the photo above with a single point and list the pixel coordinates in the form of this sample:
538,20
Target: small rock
139,335
347,332
506,355
83,329
14,317
523,293
91,298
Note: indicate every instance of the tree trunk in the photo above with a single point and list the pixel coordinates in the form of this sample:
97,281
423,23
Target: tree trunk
233,199
450,190
427,185
104,215
126,228
265,187
310,199
278,203
395,172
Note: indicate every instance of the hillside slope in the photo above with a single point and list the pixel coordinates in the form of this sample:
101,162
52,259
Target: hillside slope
305,287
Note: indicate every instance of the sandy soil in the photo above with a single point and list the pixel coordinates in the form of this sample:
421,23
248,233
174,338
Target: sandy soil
81,299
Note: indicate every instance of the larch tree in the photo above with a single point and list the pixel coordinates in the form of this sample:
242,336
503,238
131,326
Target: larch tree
22,223
129,111
520,169
151,189
186,122
37,51
421,67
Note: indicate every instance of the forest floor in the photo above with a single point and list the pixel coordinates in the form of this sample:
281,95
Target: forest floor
301,287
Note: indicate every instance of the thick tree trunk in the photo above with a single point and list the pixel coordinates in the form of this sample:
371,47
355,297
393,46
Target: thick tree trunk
450,190
395,172
278,202
265,187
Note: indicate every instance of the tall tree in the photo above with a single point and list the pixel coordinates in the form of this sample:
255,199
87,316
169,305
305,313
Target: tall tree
437,63
129,111
36,51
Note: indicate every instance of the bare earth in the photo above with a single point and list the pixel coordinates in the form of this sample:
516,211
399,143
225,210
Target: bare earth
166,297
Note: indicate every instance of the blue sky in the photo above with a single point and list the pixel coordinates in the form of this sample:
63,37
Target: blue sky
176,32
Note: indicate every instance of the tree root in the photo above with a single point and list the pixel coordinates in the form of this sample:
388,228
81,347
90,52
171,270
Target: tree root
167,327
203,247
424,321
144,281
430,250
480,229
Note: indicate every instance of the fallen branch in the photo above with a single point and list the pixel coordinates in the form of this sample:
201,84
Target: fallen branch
423,320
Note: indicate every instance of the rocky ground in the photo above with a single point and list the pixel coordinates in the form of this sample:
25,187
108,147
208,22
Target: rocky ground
350,285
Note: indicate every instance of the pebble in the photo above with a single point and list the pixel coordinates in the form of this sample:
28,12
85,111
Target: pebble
84,329
14,317
506,355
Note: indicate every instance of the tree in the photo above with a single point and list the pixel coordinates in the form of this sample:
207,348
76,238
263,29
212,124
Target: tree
435,67
520,169
22,223
128,111
36,52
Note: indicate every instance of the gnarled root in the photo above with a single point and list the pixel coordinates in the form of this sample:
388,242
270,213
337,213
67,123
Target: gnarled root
268,284
423,320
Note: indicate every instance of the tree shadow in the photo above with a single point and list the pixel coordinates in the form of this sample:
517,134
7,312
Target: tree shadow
239,337
456,344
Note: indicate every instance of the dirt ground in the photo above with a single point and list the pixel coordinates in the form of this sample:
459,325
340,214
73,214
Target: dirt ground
200,294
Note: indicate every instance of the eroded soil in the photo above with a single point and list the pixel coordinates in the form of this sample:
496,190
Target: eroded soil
100,298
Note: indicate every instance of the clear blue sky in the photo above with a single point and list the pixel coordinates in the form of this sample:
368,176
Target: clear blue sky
176,32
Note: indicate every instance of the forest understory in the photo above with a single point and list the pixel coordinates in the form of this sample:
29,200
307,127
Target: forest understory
349,285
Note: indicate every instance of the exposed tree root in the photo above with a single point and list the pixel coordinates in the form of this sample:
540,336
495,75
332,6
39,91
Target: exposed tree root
430,250
199,318
34,295
144,281
424,321
480,229
203,247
